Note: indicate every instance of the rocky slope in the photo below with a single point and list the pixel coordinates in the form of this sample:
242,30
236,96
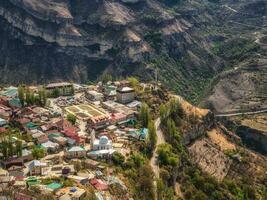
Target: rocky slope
189,43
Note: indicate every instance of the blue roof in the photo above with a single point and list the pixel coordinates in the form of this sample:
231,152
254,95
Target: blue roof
54,186
15,102
143,133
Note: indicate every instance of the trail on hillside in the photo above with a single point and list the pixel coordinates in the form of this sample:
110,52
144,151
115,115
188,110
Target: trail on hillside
160,140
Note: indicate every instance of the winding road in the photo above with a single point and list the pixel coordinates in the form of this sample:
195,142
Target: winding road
160,140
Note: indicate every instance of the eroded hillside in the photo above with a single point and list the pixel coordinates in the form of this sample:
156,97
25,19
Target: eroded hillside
204,50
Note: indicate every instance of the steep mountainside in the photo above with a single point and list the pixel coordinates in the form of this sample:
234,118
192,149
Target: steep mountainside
188,43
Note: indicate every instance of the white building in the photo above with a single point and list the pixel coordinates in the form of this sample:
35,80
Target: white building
101,147
103,143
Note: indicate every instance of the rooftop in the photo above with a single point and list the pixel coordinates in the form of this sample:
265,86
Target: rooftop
61,84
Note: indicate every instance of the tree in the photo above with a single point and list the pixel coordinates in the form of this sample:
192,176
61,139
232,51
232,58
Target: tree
19,148
176,111
28,96
71,118
145,116
138,159
145,182
166,156
72,90
104,78
118,158
77,166
56,93
21,94
4,149
133,81
42,96
10,148
152,134
164,113
38,153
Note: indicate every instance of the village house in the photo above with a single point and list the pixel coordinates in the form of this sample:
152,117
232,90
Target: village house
5,112
71,133
118,118
79,179
51,147
99,184
71,193
62,141
39,137
36,167
93,95
10,92
62,169
98,122
63,88
75,152
115,107
53,186
110,92
125,95
91,164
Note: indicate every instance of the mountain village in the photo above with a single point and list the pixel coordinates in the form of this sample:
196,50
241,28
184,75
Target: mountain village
61,139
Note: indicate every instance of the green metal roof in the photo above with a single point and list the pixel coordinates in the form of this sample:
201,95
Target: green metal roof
54,186
31,125
11,91
15,102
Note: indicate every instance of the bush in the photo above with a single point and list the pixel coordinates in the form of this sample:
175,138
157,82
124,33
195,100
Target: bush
118,158
71,118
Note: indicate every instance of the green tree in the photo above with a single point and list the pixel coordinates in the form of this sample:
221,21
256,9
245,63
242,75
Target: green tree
176,111
145,116
4,149
38,153
55,93
104,78
164,113
42,96
28,96
166,156
72,90
118,158
152,134
21,94
133,81
77,166
71,118
10,148
145,183
137,159
19,148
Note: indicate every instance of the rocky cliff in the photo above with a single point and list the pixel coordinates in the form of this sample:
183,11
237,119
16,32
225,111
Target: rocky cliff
195,46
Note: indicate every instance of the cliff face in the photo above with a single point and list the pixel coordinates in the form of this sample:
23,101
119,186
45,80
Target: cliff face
77,40
194,45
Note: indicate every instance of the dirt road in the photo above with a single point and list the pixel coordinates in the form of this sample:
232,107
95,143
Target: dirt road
160,140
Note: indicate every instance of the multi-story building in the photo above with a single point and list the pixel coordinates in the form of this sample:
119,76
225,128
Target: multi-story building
125,95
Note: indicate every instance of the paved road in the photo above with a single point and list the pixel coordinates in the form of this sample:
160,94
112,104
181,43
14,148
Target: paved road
242,113
160,140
